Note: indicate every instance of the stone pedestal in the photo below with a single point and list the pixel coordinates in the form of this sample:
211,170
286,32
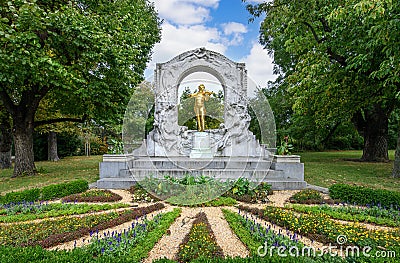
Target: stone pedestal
201,146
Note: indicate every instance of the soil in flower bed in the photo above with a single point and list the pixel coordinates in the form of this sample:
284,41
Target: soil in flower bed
94,196
200,242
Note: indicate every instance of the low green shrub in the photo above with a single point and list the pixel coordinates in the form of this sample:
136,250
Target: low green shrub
30,195
64,189
361,195
307,196
46,193
245,191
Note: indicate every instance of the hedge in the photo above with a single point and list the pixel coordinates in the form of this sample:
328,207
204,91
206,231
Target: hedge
361,195
46,193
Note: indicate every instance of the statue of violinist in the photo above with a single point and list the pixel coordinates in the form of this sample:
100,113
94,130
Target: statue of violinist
200,96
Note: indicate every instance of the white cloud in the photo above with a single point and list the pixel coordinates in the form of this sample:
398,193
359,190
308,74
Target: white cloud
259,65
186,12
178,39
235,31
233,28
184,29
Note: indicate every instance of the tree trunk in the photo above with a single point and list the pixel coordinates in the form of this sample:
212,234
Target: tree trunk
375,135
52,154
396,166
23,143
5,142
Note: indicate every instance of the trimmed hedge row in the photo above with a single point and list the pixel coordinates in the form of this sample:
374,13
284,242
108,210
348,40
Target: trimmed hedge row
361,195
46,193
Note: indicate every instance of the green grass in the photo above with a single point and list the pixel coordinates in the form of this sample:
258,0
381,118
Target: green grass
65,170
327,168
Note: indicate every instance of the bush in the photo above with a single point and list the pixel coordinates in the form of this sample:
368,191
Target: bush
243,190
30,195
361,195
307,196
45,193
64,189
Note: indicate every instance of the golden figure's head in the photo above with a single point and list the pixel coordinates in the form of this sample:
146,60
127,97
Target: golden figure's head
201,87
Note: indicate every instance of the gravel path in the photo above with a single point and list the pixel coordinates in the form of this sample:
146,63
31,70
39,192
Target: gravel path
168,245
226,239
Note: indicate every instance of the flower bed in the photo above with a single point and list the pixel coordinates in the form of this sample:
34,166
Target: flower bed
87,254
93,196
126,242
309,196
30,211
375,215
49,233
200,242
253,235
320,227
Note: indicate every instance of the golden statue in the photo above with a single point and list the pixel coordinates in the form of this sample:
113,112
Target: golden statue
200,96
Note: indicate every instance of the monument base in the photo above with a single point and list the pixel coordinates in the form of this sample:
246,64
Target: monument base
201,146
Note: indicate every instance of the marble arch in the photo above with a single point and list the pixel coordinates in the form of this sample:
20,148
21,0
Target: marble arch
170,139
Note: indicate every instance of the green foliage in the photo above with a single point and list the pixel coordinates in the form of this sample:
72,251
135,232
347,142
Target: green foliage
285,148
46,193
236,224
60,190
247,191
375,214
199,242
320,227
117,147
331,60
68,144
30,195
118,245
32,211
364,196
307,196
143,247
33,233
85,56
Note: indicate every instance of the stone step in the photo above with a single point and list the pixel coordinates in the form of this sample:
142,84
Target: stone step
217,173
196,164
126,183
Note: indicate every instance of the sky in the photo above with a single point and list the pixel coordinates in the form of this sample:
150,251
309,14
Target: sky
217,25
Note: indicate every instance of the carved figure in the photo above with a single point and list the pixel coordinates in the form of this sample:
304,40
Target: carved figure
199,108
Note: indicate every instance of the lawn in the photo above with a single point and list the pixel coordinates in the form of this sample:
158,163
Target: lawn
327,168
65,170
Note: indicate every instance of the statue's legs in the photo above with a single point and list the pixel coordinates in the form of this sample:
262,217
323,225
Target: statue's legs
203,124
199,125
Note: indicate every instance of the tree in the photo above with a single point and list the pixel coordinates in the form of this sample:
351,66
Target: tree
340,60
87,53
5,139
